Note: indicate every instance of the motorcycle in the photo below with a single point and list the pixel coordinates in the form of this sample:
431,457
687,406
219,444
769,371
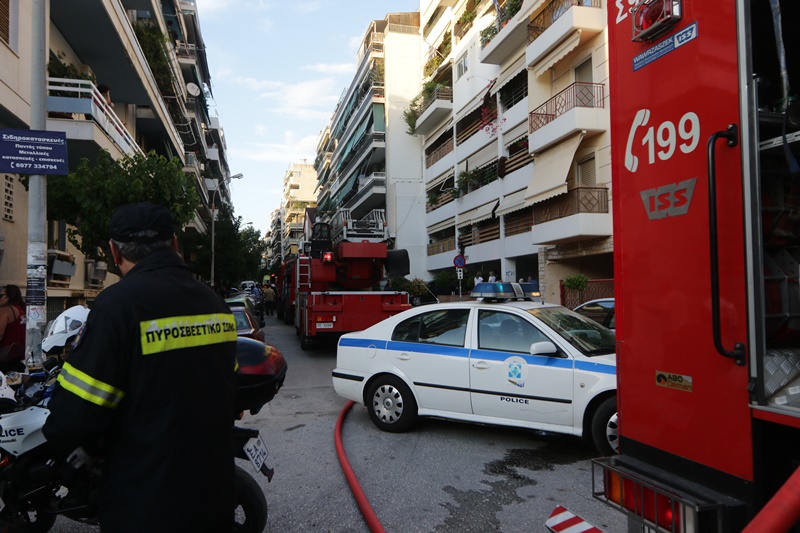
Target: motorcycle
36,486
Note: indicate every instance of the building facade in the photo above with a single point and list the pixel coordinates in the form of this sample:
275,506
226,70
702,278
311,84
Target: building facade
514,121
365,160
151,56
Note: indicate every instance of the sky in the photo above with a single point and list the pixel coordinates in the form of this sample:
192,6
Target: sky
277,71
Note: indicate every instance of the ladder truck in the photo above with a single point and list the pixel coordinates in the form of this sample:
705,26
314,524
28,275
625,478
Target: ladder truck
337,274
705,149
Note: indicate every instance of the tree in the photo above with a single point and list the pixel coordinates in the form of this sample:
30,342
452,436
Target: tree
237,250
86,198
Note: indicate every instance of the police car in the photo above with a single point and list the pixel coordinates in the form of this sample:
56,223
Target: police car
504,357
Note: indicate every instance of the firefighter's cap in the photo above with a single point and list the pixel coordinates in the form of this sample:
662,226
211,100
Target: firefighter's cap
143,222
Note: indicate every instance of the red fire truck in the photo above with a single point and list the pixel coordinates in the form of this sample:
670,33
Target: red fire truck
330,286
705,124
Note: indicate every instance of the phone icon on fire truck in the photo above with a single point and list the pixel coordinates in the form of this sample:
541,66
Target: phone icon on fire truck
641,119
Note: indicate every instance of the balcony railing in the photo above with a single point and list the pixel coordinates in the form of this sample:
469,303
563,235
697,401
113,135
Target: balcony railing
443,198
480,233
579,200
579,94
518,222
367,185
440,93
442,246
439,153
185,50
552,13
80,96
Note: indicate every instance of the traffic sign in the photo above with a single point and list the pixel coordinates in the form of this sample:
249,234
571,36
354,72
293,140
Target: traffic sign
460,273
460,261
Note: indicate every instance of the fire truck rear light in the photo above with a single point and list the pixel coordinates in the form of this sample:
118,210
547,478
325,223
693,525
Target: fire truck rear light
326,318
649,503
327,257
653,18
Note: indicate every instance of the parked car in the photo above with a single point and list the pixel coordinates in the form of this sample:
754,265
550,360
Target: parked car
246,324
503,358
246,302
600,310
261,372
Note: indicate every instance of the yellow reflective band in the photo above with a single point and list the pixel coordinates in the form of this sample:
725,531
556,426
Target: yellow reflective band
85,386
176,332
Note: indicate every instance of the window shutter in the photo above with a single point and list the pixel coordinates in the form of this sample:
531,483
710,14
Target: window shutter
586,172
5,20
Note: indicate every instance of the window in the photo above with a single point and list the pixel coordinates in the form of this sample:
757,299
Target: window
585,172
506,332
447,327
461,66
8,197
5,21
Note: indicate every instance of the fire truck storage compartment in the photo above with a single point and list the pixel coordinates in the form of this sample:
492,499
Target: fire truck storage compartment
353,311
778,143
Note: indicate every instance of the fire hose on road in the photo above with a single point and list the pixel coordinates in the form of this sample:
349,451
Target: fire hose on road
361,500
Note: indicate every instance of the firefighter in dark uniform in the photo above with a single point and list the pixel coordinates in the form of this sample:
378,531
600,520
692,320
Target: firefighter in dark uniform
152,376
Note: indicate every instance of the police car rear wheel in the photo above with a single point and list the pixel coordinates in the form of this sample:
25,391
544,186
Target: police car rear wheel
605,429
391,404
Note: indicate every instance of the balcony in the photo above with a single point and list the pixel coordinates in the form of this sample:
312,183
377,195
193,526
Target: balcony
438,154
440,247
434,108
580,214
371,194
579,107
559,20
77,108
507,43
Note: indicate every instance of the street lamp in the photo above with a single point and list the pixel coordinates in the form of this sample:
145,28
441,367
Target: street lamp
214,218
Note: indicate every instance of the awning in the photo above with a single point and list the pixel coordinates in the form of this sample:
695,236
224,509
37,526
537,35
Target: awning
476,215
515,134
483,156
444,224
557,54
512,202
508,74
550,169
438,181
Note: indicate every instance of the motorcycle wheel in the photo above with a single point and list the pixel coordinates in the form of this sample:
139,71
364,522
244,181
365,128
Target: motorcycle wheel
44,522
251,504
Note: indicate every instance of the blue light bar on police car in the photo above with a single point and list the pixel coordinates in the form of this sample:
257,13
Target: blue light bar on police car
502,290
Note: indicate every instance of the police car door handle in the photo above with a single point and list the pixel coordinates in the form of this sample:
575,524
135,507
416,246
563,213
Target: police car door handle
404,357
480,365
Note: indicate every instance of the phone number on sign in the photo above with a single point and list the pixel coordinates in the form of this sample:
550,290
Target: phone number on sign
34,166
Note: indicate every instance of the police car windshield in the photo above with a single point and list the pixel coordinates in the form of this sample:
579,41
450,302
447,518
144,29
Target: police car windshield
586,335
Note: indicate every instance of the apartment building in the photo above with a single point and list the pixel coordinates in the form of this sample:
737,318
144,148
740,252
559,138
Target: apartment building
365,160
159,96
299,192
513,117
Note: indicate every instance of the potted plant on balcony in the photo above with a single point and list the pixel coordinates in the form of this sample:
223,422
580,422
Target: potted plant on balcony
511,8
487,34
433,197
57,69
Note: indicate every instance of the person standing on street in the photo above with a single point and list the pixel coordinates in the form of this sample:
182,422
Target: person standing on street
12,328
152,373
269,299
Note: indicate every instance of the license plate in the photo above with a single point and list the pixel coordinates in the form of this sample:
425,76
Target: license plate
324,325
256,451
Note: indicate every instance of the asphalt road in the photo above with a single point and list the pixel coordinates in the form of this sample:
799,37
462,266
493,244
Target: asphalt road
440,477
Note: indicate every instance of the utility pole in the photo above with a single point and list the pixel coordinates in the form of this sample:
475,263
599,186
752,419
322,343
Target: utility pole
36,290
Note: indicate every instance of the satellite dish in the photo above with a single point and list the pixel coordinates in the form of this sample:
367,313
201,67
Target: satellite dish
193,89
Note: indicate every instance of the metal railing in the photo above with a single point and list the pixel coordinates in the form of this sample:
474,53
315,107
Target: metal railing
439,153
65,92
439,247
575,201
185,50
552,13
367,185
579,94
440,93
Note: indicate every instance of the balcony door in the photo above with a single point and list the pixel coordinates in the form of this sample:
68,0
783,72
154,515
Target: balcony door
584,93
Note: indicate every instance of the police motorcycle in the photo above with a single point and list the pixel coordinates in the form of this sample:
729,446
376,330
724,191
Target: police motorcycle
36,486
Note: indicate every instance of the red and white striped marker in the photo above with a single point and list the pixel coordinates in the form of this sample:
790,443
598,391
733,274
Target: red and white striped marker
563,521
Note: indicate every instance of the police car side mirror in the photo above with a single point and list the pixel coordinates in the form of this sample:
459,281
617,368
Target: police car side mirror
543,348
